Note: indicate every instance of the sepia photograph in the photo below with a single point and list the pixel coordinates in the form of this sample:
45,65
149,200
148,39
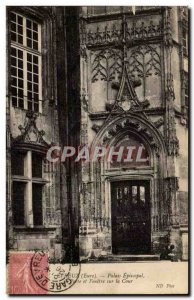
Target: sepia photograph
97,146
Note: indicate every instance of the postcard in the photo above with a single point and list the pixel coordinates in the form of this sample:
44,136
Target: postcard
97,150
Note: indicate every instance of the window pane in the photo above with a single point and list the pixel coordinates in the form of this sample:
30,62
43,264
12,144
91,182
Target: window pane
13,27
17,163
20,73
35,45
20,39
36,88
35,26
13,71
29,57
20,83
13,61
35,69
20,64
20,29
16,28
29,95
28,23
142,195
13,17
13,91
35,36
29,33
30,87
35,78
29,76
13,51
14,81
20,54
21,103
18,202
20,93
29,43
14,101
31,73
36,165
29,67
13,36
134,195
35,59
35,97
20,20
37,203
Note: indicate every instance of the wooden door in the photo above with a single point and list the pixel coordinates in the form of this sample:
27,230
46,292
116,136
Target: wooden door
131,230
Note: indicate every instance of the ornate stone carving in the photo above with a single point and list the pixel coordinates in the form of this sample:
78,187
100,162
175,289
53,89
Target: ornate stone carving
83,52
112,35
106,65
128,124
173,146
169,87
172,141
30,133
167,28
171,187
159,123
84,100
143,31
126,97
106,36
184,79
144,61
96,127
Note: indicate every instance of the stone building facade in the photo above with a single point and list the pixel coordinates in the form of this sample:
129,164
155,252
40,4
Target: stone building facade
97,76
39,59
134,91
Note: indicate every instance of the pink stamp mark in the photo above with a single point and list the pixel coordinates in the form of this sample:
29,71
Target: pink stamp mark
20,278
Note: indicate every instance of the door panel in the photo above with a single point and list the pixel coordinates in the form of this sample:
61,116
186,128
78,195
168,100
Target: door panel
131,232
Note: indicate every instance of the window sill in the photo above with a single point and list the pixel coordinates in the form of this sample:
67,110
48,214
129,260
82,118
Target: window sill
39,113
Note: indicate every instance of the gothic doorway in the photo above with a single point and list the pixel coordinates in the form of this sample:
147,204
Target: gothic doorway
131,223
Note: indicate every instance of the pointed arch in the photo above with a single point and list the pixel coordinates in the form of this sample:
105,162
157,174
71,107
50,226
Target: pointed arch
136,125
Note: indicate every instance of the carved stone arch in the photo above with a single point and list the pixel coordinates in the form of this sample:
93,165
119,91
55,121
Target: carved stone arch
130,133
137,125
103,173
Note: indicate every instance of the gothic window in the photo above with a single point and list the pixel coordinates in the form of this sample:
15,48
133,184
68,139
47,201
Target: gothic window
27,188
25,62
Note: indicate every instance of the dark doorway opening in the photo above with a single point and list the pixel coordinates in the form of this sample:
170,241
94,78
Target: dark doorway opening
131,223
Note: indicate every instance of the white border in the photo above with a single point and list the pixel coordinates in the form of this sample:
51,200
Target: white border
3,4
